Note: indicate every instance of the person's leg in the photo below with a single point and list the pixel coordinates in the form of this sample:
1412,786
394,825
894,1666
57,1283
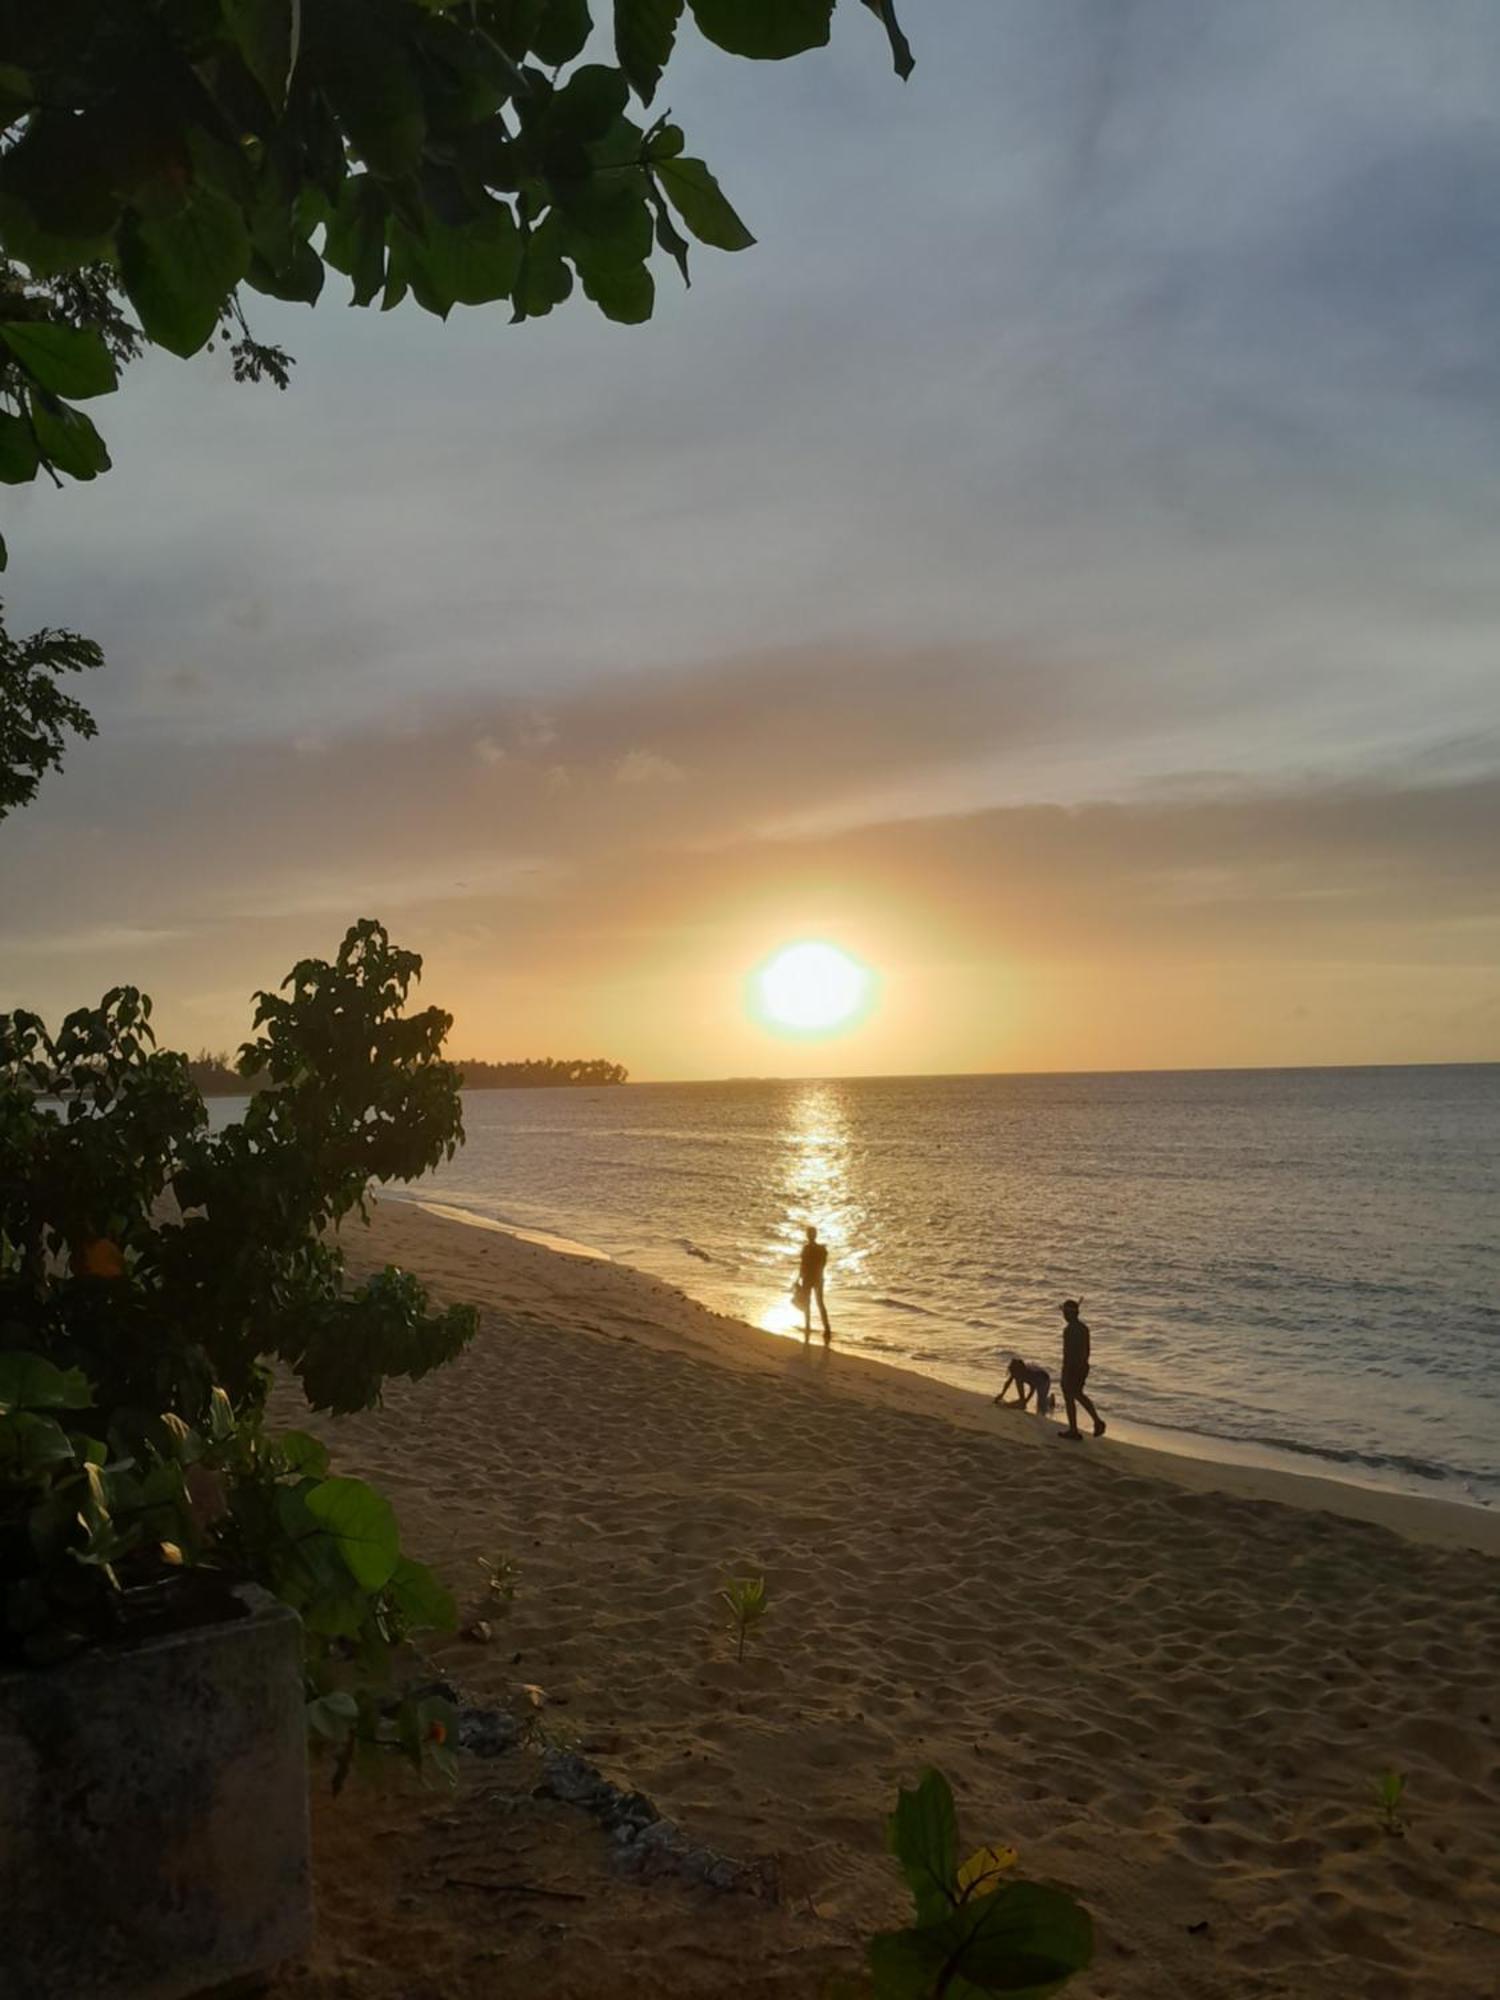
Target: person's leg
1094,1416
1069,1392
823,1310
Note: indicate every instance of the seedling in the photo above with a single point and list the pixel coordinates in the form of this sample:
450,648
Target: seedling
1390,1794
977,1927
745,1597
503,1577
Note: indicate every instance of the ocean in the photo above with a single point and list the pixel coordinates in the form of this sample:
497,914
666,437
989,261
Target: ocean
1295,1265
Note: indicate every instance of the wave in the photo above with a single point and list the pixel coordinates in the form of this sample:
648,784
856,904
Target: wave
906,1306
1370,1461
691,1249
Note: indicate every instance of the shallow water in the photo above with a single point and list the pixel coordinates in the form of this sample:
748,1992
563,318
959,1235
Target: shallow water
1305,1260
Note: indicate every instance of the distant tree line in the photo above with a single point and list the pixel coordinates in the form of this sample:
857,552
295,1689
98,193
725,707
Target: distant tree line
216,1075
540,1074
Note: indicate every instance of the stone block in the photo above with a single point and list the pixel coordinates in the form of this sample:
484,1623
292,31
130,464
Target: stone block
153,1813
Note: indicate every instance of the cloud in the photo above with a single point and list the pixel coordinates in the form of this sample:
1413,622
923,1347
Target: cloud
645,767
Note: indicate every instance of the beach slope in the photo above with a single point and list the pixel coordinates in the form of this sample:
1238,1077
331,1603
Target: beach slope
1170,1688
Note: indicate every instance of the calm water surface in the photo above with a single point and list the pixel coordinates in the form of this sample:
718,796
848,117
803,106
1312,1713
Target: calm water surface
1302,1260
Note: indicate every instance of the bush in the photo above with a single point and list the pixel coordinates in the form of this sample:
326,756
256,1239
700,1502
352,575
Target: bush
152,1276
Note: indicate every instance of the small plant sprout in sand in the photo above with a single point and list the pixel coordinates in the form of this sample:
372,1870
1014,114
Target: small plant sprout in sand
745,1599
1390,1797
501,1579
977,1926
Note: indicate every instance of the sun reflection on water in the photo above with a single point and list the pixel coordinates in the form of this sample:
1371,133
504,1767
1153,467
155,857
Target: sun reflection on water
816,1185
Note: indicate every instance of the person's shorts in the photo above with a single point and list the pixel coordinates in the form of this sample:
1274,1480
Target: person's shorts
1073,1380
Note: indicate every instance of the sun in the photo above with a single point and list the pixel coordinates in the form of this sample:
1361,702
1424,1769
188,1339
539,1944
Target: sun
811,989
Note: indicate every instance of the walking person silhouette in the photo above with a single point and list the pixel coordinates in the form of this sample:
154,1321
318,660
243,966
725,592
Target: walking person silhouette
810,1268
1075,1371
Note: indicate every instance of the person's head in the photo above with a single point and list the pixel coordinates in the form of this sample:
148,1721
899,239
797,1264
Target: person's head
812,1232
1070,1308
1017,1368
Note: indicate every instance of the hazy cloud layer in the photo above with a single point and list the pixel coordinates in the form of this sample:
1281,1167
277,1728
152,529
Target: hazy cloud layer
1078,513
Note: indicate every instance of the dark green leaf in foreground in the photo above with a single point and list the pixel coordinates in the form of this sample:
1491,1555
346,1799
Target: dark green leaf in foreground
766,30
362,1526
470,265
644,33
622,292
1025,1941
669,237
355,241
180,270
885,12
30,1444
66,437
699,200
18,451
262,31
922,1833
372,83
562,28
68,360
424,1605
31,1382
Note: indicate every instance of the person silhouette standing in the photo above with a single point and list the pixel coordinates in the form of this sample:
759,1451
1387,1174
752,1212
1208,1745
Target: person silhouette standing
1075,1371
810,1268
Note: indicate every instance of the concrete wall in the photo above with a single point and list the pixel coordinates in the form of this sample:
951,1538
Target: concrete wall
153,1814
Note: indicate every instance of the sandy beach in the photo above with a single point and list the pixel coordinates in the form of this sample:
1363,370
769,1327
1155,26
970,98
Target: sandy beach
1172,1685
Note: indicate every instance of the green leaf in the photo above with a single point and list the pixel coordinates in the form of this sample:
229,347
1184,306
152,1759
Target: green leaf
31,1382
374,87
66,438
303,1453
333,1715
765,30
922,1833
664,141
1026,1941
262,32
422,1602
591,100
901,55
625,293
355,239
180,270
30,1444
606,224
669,237
469,265
362,1526
544,280
905,1965
698,199
559,35
18,452
644,33
68,360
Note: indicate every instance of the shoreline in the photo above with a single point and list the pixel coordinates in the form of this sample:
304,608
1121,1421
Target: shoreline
1171,1686
1200,1463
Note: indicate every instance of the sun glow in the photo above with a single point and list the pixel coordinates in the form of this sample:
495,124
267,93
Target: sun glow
811,989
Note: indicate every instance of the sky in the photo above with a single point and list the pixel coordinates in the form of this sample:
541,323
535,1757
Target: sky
1056,565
